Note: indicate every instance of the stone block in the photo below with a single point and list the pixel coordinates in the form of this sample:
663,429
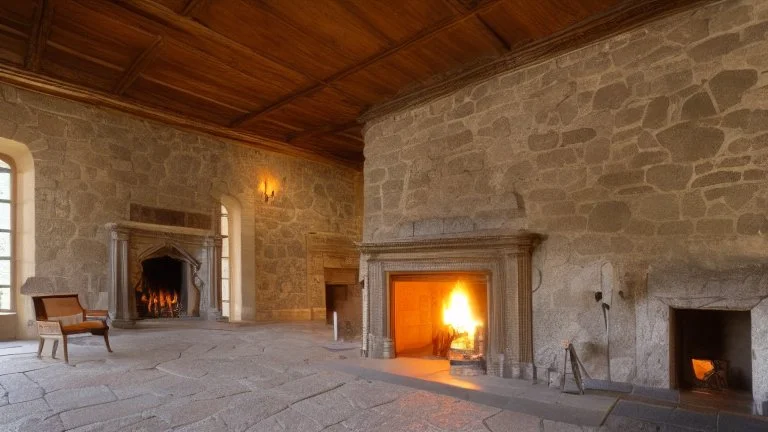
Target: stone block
547,194
622,178
735,196
717,177
752,224
672,82
714,226
749,121
656,113
669,176
659,207
698,106
578,136
458,225
609,216
729,86
597,151
546,141
646,158
428,227
689,142
556,158
629,116
611,96
714,47
684,227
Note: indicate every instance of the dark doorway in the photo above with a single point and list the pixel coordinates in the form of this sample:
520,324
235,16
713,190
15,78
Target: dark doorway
335,295
159,294
712,349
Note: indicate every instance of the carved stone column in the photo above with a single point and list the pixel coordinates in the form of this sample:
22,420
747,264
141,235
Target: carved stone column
122,308
213,252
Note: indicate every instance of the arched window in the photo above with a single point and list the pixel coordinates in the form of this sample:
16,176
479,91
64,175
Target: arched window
6,233
225,263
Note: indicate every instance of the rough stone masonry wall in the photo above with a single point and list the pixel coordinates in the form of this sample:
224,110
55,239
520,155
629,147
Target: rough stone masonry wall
648,147
91,164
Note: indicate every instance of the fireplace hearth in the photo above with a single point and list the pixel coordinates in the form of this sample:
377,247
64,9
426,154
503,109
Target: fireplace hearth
408,286
712,349
163,272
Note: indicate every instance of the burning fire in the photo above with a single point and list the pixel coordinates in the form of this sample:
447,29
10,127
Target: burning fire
703,368
458,315
157,301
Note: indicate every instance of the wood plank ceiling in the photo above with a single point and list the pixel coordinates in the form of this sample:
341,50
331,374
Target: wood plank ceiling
288,75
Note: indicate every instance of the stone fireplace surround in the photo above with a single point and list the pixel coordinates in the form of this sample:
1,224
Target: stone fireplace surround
506,259
738,288
132,242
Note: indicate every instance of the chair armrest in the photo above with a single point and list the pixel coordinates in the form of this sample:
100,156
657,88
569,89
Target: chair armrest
99,314
49,328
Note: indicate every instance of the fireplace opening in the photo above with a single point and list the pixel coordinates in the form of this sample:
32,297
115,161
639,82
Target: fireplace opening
441,316
160,293
712,350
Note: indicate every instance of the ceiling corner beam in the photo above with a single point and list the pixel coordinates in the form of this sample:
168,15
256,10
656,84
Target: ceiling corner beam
137,67
192,7
420,36
499,41
327,129
41,28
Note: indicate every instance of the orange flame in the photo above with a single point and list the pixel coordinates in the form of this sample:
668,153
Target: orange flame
458,315
703,368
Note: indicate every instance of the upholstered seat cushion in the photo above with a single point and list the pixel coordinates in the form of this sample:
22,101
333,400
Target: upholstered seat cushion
83,327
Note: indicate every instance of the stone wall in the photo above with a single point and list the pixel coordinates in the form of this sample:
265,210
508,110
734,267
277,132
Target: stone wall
649,147
91,164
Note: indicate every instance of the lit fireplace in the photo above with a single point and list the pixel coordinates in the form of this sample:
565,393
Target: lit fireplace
710,374
408,285
159,291
466,352
441,316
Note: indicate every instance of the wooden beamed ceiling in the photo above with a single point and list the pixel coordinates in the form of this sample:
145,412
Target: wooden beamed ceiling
293,76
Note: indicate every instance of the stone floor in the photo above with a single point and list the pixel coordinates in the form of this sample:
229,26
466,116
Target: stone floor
192,376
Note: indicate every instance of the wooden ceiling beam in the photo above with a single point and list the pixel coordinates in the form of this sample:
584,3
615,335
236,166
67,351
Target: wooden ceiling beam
33,81
41,28
192,7
500,42
167,17
418,37
138,65
327,129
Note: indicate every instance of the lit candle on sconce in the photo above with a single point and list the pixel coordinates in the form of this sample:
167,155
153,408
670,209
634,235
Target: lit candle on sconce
268,188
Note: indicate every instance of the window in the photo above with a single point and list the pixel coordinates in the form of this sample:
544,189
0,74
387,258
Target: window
6,234
225,263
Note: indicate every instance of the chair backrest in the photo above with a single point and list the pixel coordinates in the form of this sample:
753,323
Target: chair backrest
63,307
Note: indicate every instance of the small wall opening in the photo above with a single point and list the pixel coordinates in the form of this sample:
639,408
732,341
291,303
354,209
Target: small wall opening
712,350
425,308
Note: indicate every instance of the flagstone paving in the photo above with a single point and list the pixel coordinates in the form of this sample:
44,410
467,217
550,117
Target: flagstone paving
220,377
200,376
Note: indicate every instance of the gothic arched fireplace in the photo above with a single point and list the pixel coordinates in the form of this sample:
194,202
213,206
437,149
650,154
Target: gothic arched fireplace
167,285
160,271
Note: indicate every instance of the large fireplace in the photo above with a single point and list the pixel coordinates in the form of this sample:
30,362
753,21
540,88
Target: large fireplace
163,272
467,299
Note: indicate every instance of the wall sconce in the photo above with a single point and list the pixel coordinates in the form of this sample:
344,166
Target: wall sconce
268,196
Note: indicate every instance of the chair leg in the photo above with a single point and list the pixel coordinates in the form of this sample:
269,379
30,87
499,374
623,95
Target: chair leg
40,348
55,347
64,345
106,340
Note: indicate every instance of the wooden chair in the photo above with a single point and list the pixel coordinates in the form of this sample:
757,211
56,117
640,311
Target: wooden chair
59,316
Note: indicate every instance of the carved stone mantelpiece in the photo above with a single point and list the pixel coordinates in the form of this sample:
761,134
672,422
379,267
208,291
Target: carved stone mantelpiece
132,242
505,259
